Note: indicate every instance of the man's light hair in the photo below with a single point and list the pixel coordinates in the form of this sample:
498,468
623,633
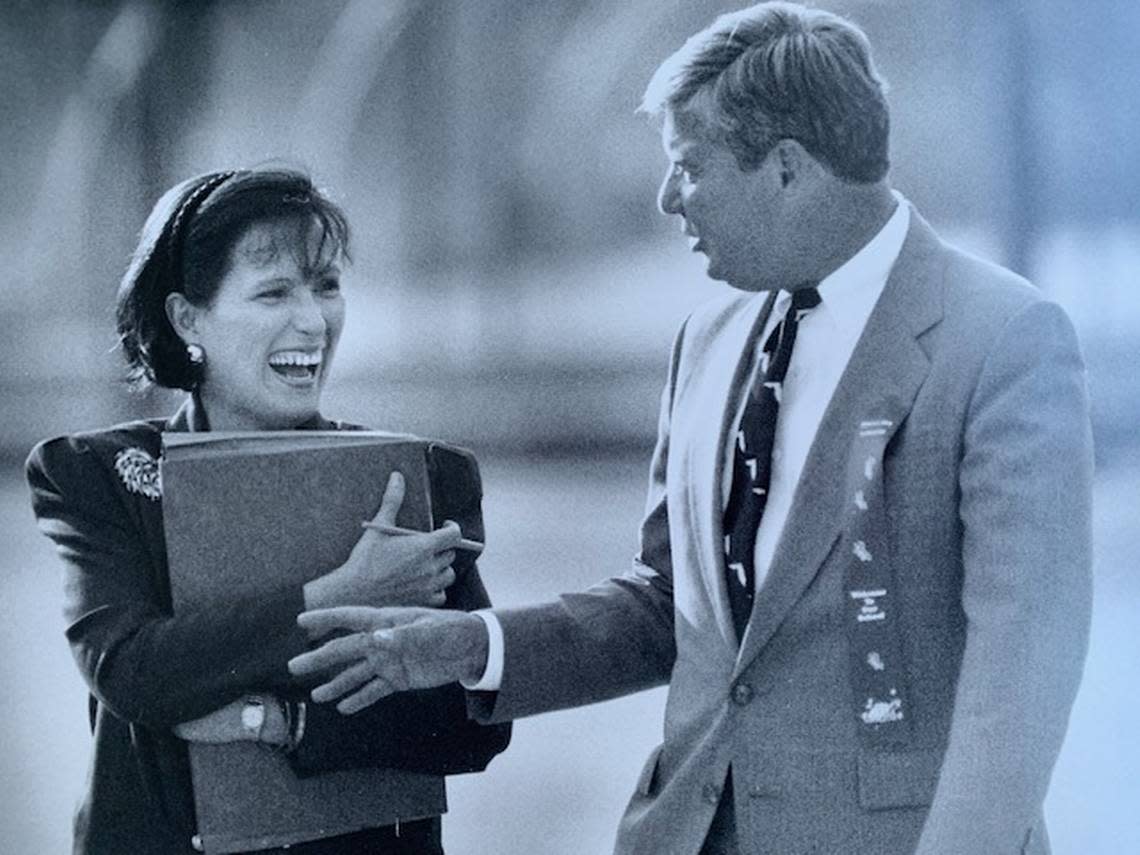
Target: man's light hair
782,71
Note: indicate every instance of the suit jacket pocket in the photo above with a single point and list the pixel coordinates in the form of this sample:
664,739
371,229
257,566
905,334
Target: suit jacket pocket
898,779
647,780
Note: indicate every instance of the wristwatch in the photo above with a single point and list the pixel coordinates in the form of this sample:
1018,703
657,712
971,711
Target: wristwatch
253,716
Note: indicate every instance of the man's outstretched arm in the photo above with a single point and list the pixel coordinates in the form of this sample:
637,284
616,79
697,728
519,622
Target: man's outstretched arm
389,650
612,639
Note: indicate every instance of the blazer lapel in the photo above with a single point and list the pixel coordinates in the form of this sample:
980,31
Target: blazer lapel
720,391
888,364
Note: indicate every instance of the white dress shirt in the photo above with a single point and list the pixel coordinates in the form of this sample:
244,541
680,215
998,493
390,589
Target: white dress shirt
824,343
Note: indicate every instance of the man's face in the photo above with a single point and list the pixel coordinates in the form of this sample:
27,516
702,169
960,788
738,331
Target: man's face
737,219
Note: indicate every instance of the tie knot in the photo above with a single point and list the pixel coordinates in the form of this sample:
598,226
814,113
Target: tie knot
805,298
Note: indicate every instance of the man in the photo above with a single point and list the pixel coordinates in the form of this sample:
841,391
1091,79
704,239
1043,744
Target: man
865,563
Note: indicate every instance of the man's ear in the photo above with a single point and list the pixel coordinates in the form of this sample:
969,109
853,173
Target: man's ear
794,161
183,316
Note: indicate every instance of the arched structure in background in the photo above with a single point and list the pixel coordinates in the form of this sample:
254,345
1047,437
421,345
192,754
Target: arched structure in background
60,217
54,345
339,81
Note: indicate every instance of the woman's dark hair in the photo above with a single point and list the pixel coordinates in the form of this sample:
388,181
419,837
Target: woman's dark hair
185,247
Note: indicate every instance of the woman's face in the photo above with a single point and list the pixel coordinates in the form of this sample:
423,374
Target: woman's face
271,330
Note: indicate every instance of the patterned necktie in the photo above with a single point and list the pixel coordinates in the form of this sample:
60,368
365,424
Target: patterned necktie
752,461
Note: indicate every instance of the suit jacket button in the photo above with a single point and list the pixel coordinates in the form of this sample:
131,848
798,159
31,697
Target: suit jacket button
741,694
710,793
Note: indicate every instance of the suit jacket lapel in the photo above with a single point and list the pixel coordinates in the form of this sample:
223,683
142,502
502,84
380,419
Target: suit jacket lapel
888,364
720,391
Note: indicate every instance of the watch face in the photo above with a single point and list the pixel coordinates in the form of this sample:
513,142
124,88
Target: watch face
252,716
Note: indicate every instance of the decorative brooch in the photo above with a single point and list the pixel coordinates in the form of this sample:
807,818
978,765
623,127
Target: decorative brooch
139,473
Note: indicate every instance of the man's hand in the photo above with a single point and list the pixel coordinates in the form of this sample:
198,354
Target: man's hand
390,650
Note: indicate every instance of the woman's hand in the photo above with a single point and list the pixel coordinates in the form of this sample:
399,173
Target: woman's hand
390,570
226,724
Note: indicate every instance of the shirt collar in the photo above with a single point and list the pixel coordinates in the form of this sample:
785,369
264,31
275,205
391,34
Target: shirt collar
849,293
190,418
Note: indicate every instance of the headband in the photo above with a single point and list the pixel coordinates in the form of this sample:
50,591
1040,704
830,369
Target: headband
179,225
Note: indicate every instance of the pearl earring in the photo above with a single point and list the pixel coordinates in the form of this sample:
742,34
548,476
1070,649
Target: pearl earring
196,354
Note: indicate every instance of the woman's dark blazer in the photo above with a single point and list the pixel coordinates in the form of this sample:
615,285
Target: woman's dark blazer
149,669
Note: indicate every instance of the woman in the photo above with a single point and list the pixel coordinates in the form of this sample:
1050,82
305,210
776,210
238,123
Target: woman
232,295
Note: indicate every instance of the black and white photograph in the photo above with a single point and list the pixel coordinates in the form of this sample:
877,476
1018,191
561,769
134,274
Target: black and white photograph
492,427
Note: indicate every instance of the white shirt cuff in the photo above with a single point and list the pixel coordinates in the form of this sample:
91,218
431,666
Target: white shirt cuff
492,677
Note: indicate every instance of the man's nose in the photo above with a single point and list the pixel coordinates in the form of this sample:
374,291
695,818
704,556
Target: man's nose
668,198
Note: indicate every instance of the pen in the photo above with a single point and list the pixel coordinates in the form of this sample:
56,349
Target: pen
471,545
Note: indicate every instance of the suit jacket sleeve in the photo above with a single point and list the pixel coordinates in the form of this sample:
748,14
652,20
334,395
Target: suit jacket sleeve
1026,487
612,639
141,661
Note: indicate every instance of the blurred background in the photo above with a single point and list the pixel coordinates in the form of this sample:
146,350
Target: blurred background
515,290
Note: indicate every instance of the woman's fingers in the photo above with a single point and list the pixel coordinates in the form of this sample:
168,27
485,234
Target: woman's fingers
445,538
441,562
393,498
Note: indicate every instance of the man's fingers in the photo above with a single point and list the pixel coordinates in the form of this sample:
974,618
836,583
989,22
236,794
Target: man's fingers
393,498
351,678
370,694
320,622
339,651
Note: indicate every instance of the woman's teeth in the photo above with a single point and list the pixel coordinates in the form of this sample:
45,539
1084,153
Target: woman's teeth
295,363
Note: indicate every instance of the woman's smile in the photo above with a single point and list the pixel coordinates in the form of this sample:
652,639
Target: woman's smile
297,367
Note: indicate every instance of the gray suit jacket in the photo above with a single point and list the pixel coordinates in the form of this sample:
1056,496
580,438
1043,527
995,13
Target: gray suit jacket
986,481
